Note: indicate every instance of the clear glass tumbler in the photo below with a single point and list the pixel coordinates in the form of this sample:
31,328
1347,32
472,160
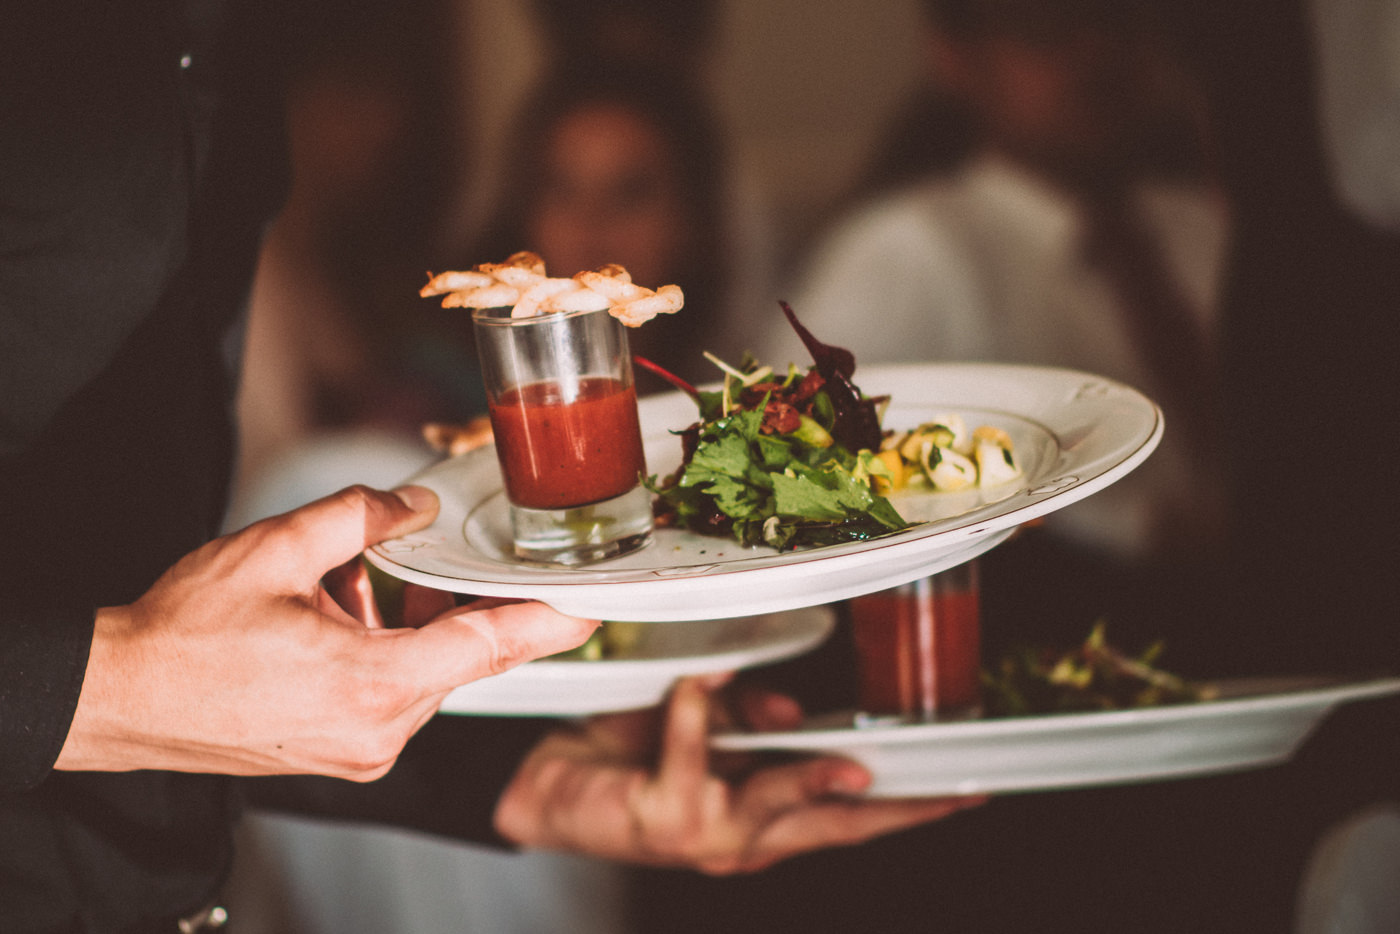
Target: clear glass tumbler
564,414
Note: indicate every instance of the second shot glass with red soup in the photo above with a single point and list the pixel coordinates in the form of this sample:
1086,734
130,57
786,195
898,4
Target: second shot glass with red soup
918,649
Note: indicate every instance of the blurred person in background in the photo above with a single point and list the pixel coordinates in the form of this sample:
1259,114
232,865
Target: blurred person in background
678,36
1057,135
339,348
623,161
616,156
1295,292
1071,219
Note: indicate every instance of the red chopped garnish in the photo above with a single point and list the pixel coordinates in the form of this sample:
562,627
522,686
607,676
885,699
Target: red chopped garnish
810,385
780,418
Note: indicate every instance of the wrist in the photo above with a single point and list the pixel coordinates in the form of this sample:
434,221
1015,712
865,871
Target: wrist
99,734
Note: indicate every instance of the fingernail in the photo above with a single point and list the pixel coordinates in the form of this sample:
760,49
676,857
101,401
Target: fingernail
417,498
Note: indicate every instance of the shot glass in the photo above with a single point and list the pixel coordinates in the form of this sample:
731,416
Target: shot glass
563,411
918,648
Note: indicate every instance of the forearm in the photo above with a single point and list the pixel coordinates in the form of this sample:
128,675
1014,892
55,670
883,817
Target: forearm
112,725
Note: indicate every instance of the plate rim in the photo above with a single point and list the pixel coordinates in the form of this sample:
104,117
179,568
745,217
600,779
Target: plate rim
811,632
955,530
1042,724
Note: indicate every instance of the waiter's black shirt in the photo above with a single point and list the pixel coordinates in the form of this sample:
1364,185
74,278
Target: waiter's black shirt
141,156
132,196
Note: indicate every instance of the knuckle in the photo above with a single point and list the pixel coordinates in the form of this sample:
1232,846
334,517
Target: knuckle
357,500
351,505
502,647
357,495
500,659
279,541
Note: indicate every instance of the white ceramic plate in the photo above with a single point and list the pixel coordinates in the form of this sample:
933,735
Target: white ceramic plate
1245,730
574,687
1074,434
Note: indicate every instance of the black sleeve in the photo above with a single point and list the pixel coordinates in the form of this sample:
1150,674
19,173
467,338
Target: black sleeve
446,782
41,673
128,233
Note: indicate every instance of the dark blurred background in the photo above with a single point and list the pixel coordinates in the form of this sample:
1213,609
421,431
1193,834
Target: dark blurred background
718,145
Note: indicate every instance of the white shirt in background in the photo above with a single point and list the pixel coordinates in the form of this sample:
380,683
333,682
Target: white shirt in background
986,265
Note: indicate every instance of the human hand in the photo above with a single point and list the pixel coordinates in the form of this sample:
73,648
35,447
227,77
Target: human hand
239,661
595,790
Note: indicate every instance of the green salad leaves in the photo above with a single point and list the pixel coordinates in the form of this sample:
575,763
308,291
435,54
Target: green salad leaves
1092,676
783,461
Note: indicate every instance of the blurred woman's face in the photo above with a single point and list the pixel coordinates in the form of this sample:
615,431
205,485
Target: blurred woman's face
1073,103
610,192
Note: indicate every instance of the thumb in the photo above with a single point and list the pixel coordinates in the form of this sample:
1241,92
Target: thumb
476,643
330,531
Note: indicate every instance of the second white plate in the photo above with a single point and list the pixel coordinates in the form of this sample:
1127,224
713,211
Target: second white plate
576,687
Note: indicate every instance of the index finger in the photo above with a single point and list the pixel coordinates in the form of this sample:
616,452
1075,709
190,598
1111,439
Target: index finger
330,531
684,763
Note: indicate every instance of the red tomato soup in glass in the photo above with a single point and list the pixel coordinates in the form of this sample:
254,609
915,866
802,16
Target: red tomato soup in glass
918,649
559,455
